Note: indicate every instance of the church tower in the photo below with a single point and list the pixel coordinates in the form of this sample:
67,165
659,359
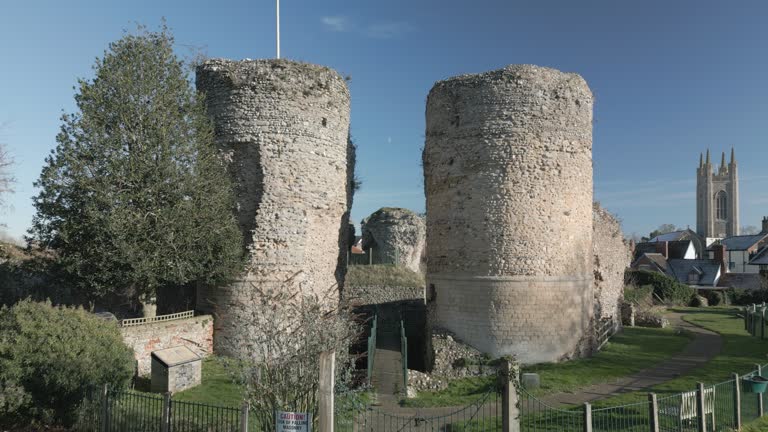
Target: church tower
717,198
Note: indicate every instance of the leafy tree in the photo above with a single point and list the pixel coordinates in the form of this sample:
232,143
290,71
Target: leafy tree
750,230
51,356
663,229
135,197
665,288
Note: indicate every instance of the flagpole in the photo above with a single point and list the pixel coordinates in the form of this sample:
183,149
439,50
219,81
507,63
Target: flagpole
278,28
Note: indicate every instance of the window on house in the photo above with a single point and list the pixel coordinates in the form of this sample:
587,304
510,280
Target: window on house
721,206
732,265
693,278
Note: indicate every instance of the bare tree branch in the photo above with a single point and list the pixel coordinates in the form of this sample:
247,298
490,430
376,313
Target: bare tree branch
6,176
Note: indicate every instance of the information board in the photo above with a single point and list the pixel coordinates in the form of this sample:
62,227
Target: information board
293,422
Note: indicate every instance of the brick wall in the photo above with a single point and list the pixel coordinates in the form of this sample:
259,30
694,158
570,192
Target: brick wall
195,333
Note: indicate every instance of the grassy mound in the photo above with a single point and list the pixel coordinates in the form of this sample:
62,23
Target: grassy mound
383,275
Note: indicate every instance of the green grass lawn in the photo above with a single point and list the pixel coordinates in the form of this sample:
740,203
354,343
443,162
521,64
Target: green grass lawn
759,425
628,352
217,387
740,353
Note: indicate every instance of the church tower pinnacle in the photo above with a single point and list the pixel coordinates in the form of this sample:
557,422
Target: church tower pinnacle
717,198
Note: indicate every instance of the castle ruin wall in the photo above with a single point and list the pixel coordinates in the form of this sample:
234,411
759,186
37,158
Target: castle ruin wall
282,128
397,236
508,182
612,257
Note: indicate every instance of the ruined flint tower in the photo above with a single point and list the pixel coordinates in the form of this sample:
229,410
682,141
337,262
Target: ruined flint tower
282,128
508,182
717,198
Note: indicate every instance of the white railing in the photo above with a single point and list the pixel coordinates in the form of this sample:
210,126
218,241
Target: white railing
130,322
606,328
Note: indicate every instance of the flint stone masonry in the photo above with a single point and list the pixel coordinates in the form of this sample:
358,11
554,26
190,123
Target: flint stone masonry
282,128
453,358
612,256
508,181
373,295
398,236
194,333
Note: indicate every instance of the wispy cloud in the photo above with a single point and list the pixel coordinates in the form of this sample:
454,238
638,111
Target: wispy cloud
335,23
388,29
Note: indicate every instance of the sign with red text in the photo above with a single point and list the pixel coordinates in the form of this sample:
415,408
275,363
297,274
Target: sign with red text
293,422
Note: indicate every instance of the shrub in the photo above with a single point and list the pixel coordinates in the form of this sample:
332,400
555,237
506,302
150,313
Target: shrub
742,297
699,301
669,290
638,295
52,355
714,298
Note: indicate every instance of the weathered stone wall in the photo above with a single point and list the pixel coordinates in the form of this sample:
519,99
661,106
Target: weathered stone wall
282,128
612,256
398,237
508,181
377,294
195,333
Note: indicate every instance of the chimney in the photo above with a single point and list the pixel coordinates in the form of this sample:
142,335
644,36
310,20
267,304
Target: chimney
662,247
719,250
765,225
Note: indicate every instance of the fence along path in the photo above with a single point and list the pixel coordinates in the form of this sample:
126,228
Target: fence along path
704,347
716,407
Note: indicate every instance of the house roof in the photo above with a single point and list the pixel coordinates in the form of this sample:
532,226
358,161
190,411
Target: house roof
740,243
749,281
708,270
677,248
656,258
760,258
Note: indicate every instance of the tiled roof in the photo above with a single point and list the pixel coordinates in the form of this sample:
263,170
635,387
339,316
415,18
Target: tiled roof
707,269
677,249
739,243
655,258
761,257
749,281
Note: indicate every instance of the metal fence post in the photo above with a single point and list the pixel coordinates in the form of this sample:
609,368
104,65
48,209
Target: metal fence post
165,424
104,408
510,412
587,417
244,417
325,391
702,418
736,401
760,410
653,412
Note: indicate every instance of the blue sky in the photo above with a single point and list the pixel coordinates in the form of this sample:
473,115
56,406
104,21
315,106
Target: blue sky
670,79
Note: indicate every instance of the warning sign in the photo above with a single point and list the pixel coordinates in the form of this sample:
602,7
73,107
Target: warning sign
292,422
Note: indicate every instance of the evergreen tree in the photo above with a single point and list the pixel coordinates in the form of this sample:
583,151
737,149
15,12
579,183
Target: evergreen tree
135,198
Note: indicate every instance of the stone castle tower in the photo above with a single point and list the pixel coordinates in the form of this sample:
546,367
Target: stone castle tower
717,198
282,129
508,181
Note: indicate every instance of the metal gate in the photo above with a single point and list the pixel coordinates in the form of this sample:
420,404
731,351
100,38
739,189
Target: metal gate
483,414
